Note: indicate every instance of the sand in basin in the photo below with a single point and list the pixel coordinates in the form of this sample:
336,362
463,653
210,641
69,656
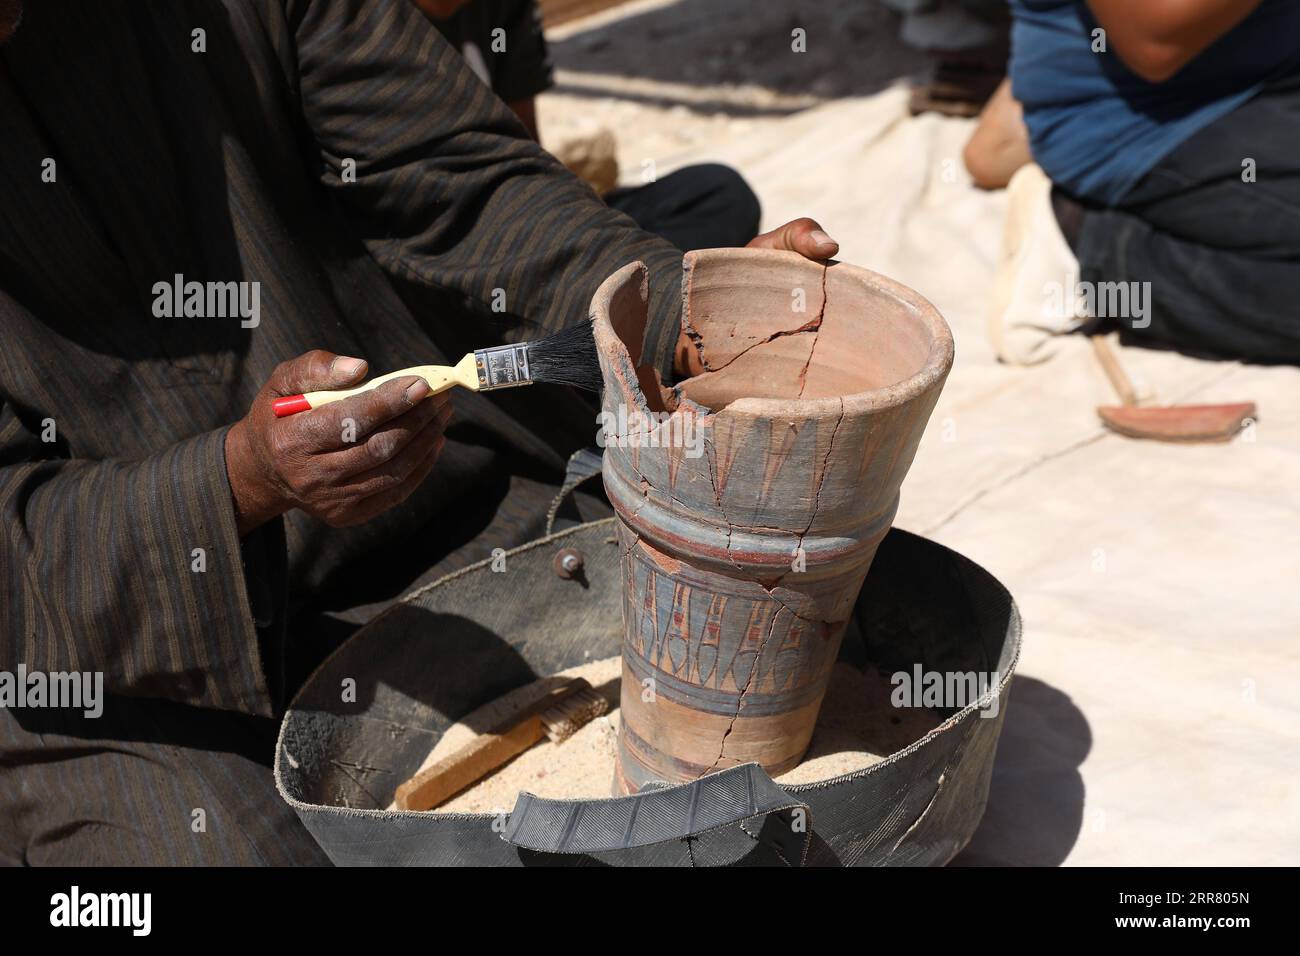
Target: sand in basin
857,727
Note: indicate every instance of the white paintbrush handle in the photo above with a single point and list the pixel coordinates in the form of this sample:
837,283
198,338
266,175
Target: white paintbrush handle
439,377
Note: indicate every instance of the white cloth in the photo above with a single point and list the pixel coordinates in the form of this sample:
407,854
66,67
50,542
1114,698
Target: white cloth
1156,719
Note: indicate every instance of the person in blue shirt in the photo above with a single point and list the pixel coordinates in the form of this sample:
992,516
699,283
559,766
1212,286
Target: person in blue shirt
1165,138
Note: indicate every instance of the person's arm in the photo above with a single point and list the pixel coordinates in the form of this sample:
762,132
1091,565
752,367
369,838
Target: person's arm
462,211
1157,38
132,569
165,574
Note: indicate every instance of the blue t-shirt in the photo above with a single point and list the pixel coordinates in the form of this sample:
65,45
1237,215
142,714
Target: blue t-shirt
1095,126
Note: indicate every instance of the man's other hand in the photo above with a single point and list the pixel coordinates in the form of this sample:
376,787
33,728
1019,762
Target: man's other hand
804,236
343,463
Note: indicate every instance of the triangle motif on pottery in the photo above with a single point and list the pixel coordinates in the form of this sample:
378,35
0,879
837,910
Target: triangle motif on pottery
781,438
710,640
674,454
745,660
824,442
677,637
648,632
724,455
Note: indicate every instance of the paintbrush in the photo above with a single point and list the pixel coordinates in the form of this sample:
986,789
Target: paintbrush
565,358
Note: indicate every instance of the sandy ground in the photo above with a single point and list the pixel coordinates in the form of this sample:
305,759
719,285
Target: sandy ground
857,727
1155,718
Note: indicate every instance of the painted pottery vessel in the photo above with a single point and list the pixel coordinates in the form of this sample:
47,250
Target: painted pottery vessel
751,498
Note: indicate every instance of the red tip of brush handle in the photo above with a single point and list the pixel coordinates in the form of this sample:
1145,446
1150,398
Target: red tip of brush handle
290,405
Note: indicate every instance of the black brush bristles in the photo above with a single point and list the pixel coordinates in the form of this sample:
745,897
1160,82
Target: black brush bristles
566,358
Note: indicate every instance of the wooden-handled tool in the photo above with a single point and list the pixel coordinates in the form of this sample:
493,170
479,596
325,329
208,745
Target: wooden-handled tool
1175,423
554,707
565,358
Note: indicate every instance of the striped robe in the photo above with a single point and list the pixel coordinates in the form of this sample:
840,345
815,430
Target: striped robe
134,149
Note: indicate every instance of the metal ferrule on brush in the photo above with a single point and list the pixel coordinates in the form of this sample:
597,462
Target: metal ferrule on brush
502,366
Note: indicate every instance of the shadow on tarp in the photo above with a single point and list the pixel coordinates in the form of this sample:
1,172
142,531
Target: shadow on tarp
1035,806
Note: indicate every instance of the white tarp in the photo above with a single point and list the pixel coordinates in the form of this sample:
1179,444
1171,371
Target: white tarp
1156,719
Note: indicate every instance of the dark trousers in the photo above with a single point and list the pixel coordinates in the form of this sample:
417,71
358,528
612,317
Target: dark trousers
700,207
1222,252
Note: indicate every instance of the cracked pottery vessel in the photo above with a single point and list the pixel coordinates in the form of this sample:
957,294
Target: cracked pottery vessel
751,498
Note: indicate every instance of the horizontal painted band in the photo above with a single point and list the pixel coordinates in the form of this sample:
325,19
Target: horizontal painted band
714,700
760,551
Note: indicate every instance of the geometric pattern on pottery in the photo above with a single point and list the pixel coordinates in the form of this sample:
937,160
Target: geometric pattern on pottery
707,642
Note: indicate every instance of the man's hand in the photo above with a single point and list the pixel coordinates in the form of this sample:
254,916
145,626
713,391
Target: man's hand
343,463
804,236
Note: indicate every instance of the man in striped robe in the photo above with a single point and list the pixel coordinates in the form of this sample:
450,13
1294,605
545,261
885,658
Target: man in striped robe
368,198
